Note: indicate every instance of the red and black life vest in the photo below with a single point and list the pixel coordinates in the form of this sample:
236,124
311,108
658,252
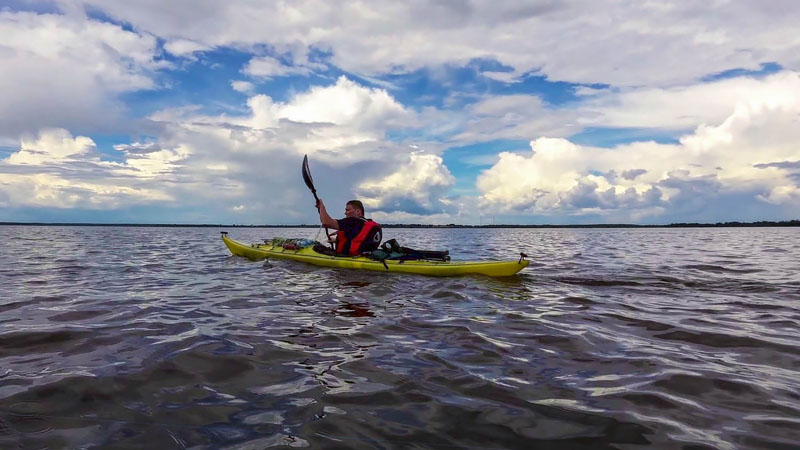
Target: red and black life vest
366,240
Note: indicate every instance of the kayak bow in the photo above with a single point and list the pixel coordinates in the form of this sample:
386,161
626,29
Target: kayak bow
434,268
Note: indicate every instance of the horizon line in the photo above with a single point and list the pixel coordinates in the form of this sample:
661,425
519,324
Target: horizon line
761,223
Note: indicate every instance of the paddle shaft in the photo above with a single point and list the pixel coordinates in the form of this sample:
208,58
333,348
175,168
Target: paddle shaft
310,183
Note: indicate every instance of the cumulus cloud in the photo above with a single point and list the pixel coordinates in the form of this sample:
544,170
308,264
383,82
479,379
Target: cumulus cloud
248,164
685,106
57,170
418,186
342,123
640,70
633,173
64,71
747,156
51,146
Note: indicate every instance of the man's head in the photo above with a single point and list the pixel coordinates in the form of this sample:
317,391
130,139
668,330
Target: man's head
354,208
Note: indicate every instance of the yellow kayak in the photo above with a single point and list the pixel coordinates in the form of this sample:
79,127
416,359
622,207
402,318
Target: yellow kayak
435,268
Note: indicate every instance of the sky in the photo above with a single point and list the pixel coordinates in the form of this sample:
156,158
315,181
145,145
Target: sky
431,112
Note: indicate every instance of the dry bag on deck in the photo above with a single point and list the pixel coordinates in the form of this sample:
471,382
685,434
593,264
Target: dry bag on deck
393,251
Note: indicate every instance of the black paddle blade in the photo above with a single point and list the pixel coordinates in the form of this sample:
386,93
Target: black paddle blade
307,176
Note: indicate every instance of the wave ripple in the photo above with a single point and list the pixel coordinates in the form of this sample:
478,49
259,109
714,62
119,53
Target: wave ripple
656,338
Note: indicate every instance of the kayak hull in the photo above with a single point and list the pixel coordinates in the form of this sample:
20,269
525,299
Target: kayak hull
433,268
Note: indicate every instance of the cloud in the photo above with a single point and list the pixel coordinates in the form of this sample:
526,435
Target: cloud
633,173
345,103
686,106
515,117
66,71
418,186
271,67
521,116
184,47
780,164
140,148
244,87
219,164
338,122
505,77
746,159
643,69
662,43
52,146
57,170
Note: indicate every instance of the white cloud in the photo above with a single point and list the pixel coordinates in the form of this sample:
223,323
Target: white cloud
342,123
184,47
221,164
749,157
345,103
58,71
521,116
267,67
650,54
417,187
51,146
586,91
244,87
515,117
153,164
270,67
56,170
505,77
44,190
622,44
685,107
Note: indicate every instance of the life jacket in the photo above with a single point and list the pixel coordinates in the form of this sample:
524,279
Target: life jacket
366,240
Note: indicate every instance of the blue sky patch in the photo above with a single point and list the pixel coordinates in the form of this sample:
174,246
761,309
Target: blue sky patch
612,137
468,161
766,69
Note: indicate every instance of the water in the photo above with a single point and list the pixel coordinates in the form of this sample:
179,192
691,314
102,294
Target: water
115,337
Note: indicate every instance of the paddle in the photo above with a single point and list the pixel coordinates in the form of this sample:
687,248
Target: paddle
310,183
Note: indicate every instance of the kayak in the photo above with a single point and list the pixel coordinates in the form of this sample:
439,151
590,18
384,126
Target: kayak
423,267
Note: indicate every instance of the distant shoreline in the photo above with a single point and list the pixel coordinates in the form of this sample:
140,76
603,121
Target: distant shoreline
783,223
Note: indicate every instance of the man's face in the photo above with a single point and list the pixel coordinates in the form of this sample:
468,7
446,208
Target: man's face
349,211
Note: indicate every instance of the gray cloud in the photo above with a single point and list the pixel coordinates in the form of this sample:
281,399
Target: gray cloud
587,195
633,173
67,71
779,165
138,148
581,42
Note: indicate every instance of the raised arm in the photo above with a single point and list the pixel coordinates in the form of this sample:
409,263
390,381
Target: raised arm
325,218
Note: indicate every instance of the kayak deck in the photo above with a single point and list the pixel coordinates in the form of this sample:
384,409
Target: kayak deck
435,268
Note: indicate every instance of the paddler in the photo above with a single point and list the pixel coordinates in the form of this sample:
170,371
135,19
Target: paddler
355,234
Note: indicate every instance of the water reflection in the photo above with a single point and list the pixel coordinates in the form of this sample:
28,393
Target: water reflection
353,310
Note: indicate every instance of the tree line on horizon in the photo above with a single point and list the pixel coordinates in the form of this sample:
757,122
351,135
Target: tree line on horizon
761,223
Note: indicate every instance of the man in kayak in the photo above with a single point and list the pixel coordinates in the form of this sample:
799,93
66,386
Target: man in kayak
355,234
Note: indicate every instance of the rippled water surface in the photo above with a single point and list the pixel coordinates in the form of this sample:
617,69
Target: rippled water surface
138,337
